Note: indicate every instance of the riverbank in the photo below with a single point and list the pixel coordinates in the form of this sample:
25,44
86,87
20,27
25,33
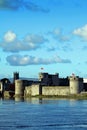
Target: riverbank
82,96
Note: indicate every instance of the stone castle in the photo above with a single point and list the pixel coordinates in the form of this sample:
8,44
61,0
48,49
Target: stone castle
47,85
52,85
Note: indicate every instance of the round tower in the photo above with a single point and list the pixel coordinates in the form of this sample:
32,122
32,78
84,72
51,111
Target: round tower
19,89
74,84
16,76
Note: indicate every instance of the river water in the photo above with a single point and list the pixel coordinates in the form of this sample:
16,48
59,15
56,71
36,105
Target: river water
43,114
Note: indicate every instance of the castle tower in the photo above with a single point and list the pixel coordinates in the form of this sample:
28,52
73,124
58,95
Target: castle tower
15,76
76,84
19,88
42,76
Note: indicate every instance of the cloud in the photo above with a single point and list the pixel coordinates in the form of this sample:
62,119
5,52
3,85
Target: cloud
17,4
58,34
9,36
19,60
10,4
33,7
11,43
34,38
81,32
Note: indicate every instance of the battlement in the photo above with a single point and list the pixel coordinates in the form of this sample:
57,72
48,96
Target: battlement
49,79
42,75
74,78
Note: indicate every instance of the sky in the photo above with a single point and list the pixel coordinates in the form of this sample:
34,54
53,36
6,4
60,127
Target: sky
48,34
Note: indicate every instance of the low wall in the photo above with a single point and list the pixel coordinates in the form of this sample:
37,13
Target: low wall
58,90
35,90
46,90
1,87
27,91
32,90
6,94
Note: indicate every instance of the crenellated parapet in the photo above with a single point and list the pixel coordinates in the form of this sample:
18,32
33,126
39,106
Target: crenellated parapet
49,79
73,78
42,76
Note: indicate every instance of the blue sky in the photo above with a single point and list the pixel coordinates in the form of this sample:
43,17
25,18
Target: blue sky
43,33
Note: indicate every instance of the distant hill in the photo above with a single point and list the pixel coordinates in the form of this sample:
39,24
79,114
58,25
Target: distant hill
24,78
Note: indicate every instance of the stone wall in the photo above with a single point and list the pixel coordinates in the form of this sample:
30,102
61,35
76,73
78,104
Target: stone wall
27,91
58,90
46,90
6,94
32,90
81,85
1,87
35,89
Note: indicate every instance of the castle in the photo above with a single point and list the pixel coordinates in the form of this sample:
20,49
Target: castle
47,85
52,85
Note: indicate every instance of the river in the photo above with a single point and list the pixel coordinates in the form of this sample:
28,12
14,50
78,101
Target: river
43,114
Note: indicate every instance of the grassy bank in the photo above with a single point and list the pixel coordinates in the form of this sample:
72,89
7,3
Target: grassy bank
77,96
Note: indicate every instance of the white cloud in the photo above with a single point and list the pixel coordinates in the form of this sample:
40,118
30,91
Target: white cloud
19,60
81,32
30,42
58,34
9,36
34,38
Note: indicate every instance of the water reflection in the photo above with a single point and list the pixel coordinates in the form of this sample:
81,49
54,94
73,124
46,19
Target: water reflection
1,101
34,100
18,99
72,102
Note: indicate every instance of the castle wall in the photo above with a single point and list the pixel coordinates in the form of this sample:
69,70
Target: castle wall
55,80
19,88
7,94
35,89
1,87
46,90
27,91
81,85
58,90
